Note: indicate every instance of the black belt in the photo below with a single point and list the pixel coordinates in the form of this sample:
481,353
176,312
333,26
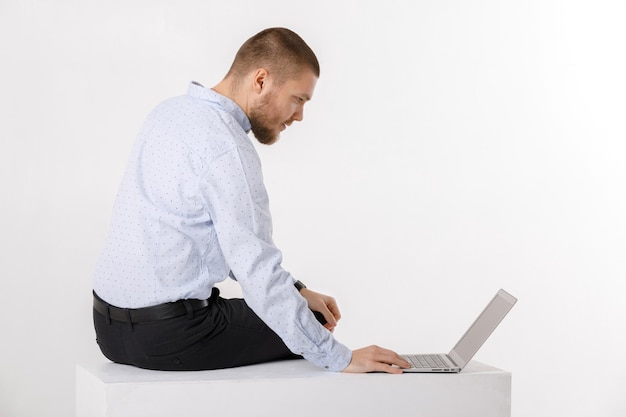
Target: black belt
148,314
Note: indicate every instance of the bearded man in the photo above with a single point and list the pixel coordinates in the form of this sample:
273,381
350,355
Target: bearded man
192,211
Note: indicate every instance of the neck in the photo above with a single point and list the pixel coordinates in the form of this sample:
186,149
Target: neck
228,88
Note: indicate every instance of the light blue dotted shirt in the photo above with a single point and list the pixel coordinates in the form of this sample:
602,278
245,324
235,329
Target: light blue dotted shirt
192,209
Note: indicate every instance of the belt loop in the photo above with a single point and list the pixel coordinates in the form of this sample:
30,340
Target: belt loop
189,309
108,314
130,320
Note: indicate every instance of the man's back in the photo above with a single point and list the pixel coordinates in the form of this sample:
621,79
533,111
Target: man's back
162,246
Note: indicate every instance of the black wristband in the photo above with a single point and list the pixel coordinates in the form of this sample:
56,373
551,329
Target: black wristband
299,285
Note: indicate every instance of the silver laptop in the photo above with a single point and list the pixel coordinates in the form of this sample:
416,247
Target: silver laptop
471,341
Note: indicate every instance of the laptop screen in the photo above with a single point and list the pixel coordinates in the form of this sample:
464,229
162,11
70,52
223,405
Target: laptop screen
480,330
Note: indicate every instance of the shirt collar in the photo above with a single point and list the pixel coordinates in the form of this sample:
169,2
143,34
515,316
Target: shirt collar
197,90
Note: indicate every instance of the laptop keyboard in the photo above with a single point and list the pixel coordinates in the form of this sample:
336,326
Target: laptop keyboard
426,361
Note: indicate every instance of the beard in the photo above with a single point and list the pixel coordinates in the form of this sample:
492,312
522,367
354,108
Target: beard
262,121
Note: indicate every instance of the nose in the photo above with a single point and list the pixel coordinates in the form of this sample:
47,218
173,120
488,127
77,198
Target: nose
299,114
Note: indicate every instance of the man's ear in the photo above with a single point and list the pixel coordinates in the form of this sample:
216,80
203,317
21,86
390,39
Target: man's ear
260,80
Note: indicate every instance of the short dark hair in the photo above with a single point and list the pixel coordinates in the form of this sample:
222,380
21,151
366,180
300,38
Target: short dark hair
280,50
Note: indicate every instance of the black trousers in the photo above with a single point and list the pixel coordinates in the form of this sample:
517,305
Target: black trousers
225,334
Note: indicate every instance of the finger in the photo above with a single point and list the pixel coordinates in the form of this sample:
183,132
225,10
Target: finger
334,310
383,367
327,318
391,358
331,321
397,360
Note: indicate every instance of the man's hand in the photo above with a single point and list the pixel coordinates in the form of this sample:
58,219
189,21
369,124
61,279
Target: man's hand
323,304
376,359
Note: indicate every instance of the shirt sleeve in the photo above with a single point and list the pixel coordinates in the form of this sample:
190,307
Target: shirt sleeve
237,201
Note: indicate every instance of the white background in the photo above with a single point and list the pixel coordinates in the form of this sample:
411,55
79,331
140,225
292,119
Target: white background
452,147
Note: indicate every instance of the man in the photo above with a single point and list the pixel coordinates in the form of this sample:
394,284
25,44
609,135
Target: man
192,210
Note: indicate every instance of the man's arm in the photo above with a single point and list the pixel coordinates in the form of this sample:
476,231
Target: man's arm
234,195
